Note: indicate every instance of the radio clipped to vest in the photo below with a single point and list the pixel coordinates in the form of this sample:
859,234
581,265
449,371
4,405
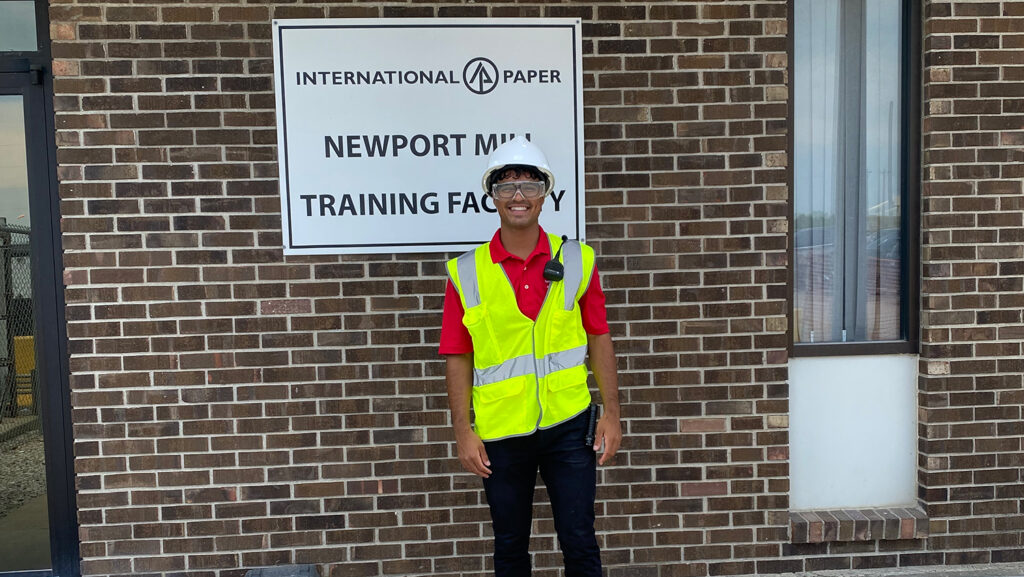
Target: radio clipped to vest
554,271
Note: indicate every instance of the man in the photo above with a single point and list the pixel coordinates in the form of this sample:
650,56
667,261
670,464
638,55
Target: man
515,337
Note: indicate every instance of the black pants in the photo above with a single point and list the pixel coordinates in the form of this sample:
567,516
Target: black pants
569,470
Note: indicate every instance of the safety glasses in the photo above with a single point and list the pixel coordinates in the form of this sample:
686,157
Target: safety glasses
529,188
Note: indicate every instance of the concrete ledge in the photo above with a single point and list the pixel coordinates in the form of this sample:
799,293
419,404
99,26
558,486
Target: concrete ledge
858,525
1015,569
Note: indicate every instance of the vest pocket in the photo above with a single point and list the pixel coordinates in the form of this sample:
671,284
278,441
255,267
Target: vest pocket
501,390
501,411
567,395
566,328
478,323
564,379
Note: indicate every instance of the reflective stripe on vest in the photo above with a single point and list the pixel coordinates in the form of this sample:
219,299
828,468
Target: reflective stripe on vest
523,365
572,258
467,274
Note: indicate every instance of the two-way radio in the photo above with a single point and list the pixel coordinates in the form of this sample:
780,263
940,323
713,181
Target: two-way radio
554,271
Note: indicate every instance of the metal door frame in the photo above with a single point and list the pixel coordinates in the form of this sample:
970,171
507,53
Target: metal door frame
29,74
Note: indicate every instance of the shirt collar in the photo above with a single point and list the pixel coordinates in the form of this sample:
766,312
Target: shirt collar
499,254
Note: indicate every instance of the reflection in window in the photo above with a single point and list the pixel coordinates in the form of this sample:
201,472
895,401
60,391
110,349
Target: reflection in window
13,160
848,238
24,524
18,26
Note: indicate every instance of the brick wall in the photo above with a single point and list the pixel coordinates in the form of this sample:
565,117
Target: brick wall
234,408
973,277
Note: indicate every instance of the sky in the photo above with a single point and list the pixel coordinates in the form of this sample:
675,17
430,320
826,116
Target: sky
13,172
17,25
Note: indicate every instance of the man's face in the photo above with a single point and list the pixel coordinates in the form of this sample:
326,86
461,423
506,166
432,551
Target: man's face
518,212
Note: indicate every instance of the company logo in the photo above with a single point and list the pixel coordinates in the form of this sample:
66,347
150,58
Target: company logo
480,75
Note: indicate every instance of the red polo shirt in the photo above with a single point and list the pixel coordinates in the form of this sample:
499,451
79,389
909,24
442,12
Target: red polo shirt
527,278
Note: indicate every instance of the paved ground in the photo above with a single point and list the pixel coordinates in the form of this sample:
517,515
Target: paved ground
987,570
25,537
22,472
24,525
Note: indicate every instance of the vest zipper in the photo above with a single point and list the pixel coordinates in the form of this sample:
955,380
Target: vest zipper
536,369
533,337
536,378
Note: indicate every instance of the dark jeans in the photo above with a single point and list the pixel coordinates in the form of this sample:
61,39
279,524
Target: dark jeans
569,470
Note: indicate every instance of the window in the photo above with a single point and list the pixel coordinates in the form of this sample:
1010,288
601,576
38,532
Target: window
852,227
18,26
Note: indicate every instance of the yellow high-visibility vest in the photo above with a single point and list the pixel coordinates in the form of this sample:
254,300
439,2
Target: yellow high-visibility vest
527,375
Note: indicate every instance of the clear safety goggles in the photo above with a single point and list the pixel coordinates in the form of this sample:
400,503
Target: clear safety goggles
529,188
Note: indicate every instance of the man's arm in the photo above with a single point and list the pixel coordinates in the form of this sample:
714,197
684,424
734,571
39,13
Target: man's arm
459,378
602,362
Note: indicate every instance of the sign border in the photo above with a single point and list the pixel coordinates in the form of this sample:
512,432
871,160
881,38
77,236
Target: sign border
572,25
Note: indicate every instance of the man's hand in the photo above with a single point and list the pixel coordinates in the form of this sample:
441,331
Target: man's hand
472,454
609,432
602,361
459,378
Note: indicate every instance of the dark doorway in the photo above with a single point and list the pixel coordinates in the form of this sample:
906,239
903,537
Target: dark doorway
38,528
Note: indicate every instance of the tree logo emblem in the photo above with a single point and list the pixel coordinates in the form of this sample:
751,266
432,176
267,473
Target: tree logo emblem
480,75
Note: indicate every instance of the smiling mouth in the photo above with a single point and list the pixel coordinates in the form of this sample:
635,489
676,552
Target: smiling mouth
519,208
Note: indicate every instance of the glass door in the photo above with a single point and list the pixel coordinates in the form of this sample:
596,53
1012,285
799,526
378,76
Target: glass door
38,520
37,528
24,518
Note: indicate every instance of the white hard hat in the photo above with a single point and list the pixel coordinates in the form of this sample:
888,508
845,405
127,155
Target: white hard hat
518,151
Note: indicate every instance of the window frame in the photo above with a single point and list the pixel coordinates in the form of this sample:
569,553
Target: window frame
910,182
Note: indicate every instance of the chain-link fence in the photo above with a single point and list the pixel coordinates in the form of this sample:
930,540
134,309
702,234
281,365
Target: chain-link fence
19,387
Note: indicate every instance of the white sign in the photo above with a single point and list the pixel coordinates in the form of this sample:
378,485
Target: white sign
384,128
